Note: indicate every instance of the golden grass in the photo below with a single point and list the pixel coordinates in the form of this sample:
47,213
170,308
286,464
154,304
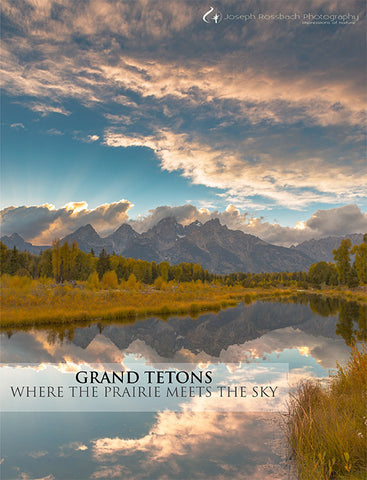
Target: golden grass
327,427
29,302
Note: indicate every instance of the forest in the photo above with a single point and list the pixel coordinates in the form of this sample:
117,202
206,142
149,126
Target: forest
66,285
67,263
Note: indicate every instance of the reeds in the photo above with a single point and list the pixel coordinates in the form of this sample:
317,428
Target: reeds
327,427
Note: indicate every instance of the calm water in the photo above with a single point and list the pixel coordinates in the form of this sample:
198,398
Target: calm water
310,338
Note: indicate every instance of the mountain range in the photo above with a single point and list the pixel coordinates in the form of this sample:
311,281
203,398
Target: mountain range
322,249
214,246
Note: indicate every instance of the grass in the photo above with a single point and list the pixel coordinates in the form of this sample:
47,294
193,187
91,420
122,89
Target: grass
327,427
358,294
27,302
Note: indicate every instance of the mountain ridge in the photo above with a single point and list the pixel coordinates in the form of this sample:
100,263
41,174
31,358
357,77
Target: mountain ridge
216,247
322,249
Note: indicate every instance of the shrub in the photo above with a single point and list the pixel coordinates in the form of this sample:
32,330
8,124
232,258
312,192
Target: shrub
109,280
159,283
93,281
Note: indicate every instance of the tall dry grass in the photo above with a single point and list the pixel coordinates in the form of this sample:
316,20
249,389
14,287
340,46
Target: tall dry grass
327,427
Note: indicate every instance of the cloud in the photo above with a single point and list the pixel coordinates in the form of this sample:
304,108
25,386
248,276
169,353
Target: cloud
42,224
326,351
17,125
278,121
37,349
70,448
111,471
228,441
26,476
54,131
335,221
38,454
338,220
250,168
93,138
46,109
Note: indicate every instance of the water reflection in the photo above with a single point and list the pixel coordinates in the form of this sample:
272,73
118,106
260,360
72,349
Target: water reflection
309,334
245,333
166,445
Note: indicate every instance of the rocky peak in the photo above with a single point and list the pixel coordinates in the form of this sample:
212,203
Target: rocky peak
124,230
87,231
168,227
214,225
197,223
15,237
15,240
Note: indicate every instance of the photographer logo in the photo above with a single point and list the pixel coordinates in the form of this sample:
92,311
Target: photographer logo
212,15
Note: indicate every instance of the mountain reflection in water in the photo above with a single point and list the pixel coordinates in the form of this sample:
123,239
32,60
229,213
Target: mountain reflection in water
309,335
244,333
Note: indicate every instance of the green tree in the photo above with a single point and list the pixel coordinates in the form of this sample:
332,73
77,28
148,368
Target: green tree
66,266
103,263
45,264
163,269
57,269
14,261
342,259
4,258
323,273
360,262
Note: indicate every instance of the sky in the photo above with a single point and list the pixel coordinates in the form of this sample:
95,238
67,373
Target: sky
130,111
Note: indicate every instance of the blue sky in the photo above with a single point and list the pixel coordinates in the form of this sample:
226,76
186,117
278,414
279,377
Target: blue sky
132,111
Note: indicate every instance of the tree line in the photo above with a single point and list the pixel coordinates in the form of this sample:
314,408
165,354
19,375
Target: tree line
344,271
66,263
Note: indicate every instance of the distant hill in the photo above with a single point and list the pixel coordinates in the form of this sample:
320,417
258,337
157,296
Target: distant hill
15,240
322,250
214,246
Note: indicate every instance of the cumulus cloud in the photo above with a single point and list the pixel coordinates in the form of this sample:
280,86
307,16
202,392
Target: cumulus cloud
335,221
42,224
338,220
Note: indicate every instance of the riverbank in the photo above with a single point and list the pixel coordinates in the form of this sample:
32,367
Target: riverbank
27,302
327,427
